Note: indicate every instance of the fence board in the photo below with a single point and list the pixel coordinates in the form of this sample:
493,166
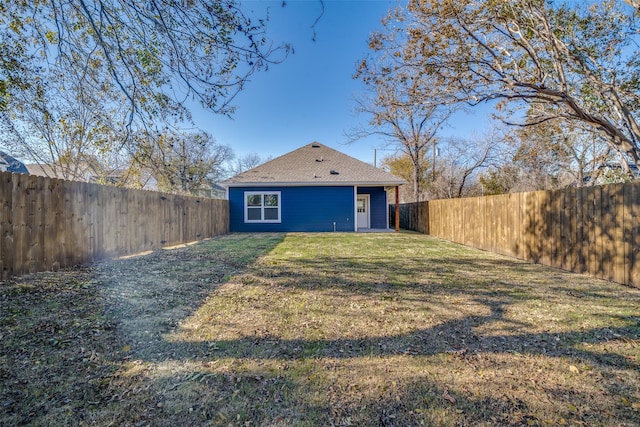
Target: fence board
515,223
46,219
6,227
617,235
591,230
434,214
563,249
634,253
471,216
57,226
31,234
598,233
40,207
590,235
569,216
491,220
578,264
528,229
553,226
503,242
498,214
459,224
95,225
543,219
518,232
109,228
627,231
437,218
67,225
478,228
80,236
47,224
20,215
607,224
510,220
563,244
478,215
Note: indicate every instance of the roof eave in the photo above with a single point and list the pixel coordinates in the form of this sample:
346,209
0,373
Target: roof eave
313,184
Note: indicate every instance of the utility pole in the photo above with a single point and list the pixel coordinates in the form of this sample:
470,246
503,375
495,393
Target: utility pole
375,154
435,153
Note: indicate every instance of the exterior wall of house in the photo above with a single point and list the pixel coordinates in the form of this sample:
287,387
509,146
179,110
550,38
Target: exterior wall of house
378,208
310,209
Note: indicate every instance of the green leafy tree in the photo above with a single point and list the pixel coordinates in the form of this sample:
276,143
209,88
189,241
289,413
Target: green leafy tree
159,55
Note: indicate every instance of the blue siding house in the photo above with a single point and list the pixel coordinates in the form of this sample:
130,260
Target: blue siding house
312,189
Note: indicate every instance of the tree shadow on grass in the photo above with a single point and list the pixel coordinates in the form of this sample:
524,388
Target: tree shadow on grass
144,376
296,394
149,295
363,276
65,335
251,397
456,336
427,399
293,392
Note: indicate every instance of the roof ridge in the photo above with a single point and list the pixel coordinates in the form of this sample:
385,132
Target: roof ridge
324,166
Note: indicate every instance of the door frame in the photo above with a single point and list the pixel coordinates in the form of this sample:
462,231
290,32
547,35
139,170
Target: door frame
367,202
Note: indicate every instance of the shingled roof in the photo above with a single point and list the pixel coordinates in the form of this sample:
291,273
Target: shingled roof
11,164
314,164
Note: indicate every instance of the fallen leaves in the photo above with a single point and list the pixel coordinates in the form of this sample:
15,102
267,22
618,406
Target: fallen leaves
448,396
299,342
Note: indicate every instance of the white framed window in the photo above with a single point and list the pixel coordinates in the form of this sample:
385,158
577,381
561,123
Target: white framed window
262,206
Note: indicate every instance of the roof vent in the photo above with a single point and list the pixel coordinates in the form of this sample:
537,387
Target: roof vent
332,172
320,160
315,145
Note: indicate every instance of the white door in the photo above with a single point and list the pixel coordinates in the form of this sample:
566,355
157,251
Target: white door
363,211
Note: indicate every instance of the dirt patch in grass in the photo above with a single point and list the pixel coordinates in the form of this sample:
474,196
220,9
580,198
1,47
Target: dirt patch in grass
319,329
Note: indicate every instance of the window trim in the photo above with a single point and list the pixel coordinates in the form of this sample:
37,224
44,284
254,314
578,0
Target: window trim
247,194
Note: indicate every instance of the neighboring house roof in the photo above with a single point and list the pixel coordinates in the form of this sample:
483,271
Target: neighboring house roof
314,164
10,164
611,173
115,177
45,170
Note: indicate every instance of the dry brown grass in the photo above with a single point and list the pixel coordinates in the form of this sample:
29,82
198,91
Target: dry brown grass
319,329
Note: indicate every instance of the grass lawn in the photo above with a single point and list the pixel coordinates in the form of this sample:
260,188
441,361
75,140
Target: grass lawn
319,329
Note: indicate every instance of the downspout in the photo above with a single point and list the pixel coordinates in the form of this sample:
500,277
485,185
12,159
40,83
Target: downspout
355,208
397,209
386,201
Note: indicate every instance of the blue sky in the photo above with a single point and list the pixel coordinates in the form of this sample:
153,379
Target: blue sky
309,97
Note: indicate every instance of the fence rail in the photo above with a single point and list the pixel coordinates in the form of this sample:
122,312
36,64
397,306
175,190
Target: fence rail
589,230
46,223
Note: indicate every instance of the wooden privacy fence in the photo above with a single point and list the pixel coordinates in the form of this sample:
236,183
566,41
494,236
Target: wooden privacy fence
46,224
589,230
